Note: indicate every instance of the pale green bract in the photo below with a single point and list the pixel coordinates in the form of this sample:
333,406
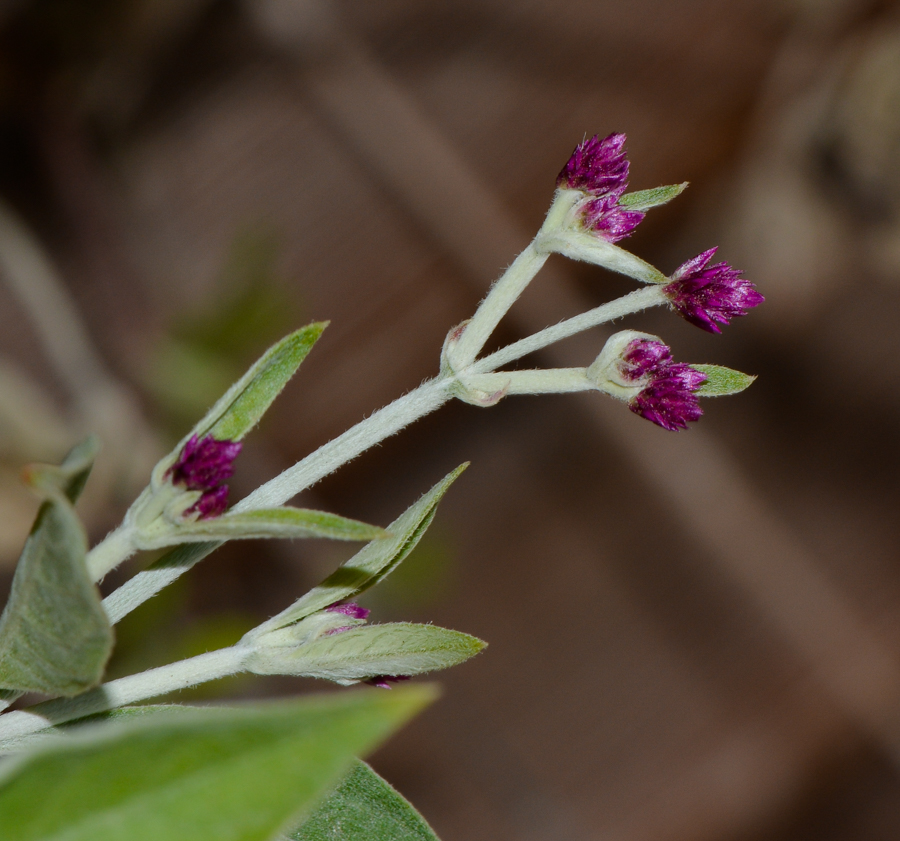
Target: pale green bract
284,522
395,649
647,199
721,381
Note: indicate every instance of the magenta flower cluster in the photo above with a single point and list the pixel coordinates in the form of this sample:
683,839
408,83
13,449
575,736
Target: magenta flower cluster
705,294
668,397
351,609
599,169
203,465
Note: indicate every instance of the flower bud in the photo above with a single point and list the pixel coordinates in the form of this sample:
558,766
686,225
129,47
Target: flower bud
599,170
203,465
638,368
705,294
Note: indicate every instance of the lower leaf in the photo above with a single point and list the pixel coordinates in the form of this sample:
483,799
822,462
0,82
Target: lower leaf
364,807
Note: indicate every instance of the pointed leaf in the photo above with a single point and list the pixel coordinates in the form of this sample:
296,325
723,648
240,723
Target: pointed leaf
210,775
372,563
62,731
364,807
67,478
54,635
285,522
647,199
242,406
399,648
722,381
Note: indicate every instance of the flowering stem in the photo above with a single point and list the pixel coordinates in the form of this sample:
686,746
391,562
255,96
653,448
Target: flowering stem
640,299
541,381
385,422
502,296
16,726
116,547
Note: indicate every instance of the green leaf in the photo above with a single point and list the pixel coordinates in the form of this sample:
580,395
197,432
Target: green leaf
285,522
62,731
647,199
722,381
364,807
197,775
398,648
55,637
242,406
372,563
67,478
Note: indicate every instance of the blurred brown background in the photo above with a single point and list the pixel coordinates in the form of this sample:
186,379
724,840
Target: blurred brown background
692,636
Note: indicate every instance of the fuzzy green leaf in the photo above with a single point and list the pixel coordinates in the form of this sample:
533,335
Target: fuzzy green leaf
722,381
372,563
398,648
647,199
55,637
364,807
120,714
67,478
196,775
242,406
285,522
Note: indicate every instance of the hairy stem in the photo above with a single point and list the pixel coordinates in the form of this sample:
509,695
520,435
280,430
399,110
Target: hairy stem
367,433
502,296
116,547
640,299
382,424
16,726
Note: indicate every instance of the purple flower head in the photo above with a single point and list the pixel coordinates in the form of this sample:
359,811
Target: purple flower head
606,218
203,464
705,294
211,504
668,397
351,609
597,167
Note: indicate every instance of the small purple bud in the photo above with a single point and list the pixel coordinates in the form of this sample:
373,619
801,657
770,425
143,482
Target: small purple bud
604,217
385,681
351,609
212,504
668,398
597,167
204,463
705,294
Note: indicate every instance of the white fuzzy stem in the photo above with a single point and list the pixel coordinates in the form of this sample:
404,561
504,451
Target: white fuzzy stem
385,422
367,433
640,299
502,296
16,726
540,381
116,547
409,408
